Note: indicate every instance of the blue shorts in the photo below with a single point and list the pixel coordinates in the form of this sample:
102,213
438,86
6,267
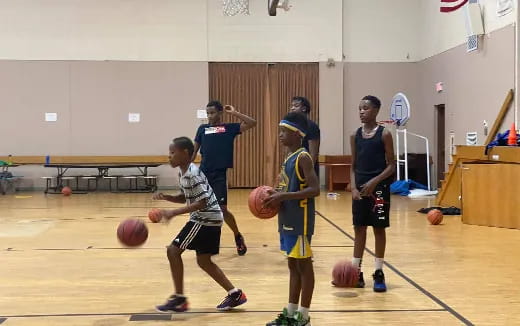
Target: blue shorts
296,246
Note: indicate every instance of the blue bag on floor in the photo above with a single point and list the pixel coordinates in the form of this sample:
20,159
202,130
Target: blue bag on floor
402,187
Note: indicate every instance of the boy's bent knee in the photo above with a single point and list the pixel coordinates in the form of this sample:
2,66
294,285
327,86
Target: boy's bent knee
173,252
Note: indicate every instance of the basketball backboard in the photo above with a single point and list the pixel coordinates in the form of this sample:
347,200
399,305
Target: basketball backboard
400,109
235,7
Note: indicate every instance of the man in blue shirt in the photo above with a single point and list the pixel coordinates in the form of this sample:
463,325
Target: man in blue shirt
215,141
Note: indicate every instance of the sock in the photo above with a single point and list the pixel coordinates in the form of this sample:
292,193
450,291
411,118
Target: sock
180,295
233,290
356,262
305,312
291,308
379,263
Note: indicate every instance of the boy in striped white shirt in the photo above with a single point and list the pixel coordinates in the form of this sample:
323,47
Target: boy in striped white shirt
201,233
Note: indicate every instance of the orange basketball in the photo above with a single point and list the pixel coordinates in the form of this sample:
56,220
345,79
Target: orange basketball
155,215
132,232
66,191
344,274
256,203
434,216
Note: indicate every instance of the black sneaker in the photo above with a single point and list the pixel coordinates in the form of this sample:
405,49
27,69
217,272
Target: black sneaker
361,281
174,304
379,281
241,245
232,300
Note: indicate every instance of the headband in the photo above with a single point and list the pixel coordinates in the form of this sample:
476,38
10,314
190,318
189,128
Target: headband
292,126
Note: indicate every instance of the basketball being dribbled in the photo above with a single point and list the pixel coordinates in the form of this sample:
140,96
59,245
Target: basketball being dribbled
256,203
434,216
66,191
155,215
344,274
132,232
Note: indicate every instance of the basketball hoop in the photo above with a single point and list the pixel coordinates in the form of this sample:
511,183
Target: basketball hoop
399,115
273,5
235,7
400,109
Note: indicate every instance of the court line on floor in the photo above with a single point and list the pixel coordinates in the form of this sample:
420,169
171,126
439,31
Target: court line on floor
148,248
403,276
218,312
20,208
100,248
149,207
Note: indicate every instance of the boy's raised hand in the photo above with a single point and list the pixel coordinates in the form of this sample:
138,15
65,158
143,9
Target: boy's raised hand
229,108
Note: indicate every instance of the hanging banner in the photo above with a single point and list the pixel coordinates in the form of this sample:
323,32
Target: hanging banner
452,5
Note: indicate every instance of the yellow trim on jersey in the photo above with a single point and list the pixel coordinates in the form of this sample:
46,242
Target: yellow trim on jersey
283,180
303,185
292,154
297,168
303,204
283,176
302,248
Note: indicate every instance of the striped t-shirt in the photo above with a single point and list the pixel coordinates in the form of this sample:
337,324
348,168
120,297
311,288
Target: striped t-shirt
195,187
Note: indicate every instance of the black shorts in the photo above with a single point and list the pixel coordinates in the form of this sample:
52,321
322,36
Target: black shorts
373,210
201,238
218,181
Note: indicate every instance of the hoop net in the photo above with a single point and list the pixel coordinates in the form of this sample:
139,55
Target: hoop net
235,7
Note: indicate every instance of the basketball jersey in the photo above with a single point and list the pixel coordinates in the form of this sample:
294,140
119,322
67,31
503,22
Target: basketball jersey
295,216
370,156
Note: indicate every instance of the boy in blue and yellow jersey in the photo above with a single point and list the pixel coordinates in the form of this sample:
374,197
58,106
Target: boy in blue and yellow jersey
297,189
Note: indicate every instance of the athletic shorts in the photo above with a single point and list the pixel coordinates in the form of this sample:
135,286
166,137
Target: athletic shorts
201,238
218,181
296,246
373,210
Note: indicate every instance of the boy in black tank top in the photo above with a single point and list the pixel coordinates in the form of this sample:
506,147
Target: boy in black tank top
372,149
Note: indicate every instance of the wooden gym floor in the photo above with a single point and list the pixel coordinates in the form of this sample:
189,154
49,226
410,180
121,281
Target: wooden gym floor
61,264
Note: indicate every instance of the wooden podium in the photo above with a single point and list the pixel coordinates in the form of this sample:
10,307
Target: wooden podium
491,194
485,187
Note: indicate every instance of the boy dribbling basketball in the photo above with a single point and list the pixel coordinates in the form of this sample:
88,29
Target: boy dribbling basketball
297,188
372,149
201,233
